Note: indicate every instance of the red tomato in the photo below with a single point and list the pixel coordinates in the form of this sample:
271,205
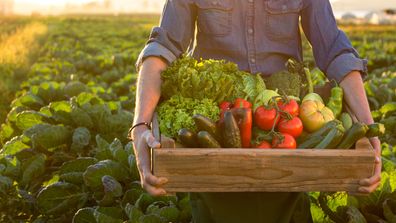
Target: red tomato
294,127
288,142
225,105
242,103
264,145
265,118
290,107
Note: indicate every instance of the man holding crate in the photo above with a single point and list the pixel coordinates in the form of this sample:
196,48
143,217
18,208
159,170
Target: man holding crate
259,36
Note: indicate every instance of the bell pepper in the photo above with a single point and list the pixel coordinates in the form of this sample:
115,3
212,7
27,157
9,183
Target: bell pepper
242,103
243,117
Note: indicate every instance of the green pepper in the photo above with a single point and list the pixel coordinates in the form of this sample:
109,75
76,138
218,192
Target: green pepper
335,101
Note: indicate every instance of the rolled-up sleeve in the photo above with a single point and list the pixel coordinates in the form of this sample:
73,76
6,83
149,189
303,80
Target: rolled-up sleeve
175,33
333,51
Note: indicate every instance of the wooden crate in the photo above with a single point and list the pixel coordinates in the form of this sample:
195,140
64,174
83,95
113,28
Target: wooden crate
237,170
273,170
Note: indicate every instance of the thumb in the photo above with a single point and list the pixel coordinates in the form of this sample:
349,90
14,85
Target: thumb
150,140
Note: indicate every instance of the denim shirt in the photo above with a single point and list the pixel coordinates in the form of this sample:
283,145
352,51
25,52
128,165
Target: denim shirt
258,35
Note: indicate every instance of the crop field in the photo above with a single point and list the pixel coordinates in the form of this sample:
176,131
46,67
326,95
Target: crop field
67,100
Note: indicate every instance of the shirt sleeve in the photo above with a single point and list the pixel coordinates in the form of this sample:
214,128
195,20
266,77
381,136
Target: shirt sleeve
333,51
174,34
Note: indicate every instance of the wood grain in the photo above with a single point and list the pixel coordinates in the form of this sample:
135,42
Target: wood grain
232,170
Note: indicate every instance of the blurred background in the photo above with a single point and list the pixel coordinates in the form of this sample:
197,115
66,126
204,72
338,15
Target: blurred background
376,12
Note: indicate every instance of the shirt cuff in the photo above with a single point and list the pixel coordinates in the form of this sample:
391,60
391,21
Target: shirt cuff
155,49
344,64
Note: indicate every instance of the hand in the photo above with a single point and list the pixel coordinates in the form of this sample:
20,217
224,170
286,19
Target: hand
152,184
369,185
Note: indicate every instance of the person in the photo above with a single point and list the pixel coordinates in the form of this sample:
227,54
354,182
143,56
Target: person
259,36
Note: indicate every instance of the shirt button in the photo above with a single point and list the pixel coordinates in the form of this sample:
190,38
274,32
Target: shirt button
250,31
253,60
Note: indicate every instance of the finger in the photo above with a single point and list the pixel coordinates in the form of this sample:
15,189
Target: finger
370,188
151,141
154,181
154,191
374,179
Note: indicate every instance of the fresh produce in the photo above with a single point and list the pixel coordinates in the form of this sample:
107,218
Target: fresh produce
187,138
242,103
288,81
206,140
294,126
290,106
284,141
209,79
314,115
265,117
205,124
312,97
243,117
356,132
263,145
346,120
333,137
335,101
177,112
375,130
231,132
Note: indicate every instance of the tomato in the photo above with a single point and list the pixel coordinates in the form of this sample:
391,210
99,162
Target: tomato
264,145
290,106
242,103
294,126
288,142
265,118
314,114
225,105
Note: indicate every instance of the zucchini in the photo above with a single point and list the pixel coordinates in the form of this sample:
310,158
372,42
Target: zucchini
356,132
311,140
187,138
206,140
346,120
231,132
332,139
205,124
375,130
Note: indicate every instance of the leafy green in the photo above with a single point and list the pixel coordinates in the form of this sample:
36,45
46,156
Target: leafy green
81,138
206,79
72,171
177,112
94,173
59,198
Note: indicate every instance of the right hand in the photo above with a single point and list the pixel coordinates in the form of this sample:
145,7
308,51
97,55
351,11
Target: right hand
143,140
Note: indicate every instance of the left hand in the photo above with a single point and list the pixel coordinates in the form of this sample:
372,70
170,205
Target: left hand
369,185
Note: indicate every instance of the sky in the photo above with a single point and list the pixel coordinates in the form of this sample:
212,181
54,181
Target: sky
48,6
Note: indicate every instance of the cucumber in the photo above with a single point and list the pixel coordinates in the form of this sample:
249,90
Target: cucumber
310,143
346,120
205,124
314,138
375,130
356,132
332,139
206,140
187,138
231,132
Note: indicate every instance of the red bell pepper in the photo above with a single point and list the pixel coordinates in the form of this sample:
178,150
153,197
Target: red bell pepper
243,116
242,103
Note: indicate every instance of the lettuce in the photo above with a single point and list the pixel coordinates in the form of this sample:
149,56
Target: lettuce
177,112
